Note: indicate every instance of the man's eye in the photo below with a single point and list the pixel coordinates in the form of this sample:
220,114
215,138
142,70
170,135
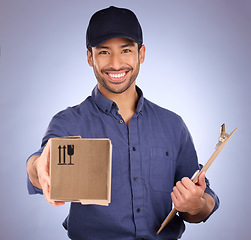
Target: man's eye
126,50
103,52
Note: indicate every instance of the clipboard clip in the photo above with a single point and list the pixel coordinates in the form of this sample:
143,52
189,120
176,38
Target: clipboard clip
223,135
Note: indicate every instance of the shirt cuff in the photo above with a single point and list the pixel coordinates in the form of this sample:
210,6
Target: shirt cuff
216,201
32,189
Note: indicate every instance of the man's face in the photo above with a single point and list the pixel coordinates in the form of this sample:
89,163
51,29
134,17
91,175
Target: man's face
116,64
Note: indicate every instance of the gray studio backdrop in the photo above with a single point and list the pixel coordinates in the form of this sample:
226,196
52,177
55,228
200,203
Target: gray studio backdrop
197,64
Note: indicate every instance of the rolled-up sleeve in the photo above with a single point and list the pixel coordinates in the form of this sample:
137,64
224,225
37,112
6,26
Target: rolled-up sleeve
32,189
213,195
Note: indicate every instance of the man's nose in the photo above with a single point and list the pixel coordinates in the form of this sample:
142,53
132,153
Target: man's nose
116,61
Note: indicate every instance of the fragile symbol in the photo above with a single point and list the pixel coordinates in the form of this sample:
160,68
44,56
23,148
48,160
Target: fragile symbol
70,152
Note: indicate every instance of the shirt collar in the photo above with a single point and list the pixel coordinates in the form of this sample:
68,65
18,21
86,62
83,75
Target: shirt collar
141,100
106,104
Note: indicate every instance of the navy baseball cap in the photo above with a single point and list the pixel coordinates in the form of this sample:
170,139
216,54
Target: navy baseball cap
112,23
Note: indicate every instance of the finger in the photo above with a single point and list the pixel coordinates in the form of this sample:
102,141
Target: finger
176,202
46,193
43,163
187,183
177,193
57,204
181,187
45,184
174,199
46,154
180,191
43,173
48,150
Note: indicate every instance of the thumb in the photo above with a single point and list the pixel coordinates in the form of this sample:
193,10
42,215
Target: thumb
201,180
47,150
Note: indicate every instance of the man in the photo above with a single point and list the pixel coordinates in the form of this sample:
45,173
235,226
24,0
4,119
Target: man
153,153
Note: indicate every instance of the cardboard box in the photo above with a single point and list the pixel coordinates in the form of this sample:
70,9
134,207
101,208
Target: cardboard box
80,170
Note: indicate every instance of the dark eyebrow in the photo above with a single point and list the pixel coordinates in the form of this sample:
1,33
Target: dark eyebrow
128,45
122,46
100,46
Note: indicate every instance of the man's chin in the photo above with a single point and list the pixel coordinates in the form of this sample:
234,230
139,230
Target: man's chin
117,88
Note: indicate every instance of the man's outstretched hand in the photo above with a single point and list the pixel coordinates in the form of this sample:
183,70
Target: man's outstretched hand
38,171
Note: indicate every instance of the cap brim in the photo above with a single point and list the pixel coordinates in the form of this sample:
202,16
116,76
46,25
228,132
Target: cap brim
112,36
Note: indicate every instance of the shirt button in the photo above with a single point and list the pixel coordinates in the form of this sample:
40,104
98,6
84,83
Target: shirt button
135,179
121,121
138,210
134,149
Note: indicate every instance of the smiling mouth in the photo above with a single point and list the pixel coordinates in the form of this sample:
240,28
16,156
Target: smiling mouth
117,77
120,75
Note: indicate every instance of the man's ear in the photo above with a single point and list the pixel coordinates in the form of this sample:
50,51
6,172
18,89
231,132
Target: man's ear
89,58
142,52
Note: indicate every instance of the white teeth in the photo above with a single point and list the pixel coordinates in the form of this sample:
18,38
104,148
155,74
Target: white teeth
116,75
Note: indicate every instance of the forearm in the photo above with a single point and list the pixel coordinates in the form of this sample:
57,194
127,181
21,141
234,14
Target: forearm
32,171
207,206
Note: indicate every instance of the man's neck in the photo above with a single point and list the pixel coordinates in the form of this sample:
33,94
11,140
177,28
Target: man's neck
126,101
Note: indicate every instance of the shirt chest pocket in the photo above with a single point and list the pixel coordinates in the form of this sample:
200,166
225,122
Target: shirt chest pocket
161,170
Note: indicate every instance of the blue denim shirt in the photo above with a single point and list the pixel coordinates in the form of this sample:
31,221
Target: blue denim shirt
149,156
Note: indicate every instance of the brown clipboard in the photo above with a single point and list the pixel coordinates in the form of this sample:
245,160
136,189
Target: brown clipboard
223,139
